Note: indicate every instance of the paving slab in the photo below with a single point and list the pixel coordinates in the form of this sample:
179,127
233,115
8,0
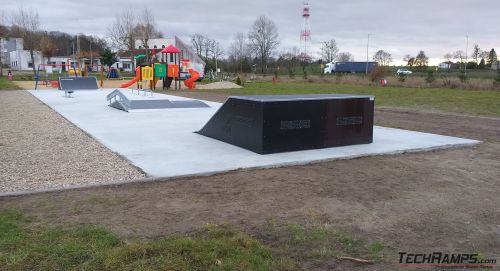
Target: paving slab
163,143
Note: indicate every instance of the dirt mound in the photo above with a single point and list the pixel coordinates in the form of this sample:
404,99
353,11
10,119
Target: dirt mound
219,85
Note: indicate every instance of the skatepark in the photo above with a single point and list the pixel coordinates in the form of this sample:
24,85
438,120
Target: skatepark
162,139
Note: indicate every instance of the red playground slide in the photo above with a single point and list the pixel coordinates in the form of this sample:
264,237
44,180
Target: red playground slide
190,83
135,79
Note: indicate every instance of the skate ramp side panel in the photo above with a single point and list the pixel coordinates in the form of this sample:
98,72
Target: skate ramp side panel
237,122
78,83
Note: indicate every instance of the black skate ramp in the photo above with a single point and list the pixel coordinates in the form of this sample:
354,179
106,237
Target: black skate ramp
78,83
282,123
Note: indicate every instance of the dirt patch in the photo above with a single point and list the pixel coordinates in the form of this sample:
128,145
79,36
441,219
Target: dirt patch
443,200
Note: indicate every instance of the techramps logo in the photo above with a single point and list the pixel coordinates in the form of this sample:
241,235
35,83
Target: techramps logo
447,261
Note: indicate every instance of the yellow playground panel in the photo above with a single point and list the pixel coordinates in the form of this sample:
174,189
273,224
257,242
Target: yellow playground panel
147,73
74,72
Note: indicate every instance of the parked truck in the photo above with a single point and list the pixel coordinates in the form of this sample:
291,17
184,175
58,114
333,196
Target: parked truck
349,67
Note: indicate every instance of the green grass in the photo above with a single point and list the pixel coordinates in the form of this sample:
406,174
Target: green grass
316,240
6,84
475,102
25,247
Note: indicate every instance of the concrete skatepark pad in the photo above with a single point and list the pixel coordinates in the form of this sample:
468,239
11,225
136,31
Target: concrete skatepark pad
78,83
163,143
126,100
282,123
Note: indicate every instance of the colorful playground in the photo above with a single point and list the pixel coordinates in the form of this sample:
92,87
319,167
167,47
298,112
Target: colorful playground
165,66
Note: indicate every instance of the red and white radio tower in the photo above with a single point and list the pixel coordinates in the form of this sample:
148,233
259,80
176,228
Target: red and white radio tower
305,33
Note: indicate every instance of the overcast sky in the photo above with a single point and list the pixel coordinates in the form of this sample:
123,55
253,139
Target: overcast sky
398,26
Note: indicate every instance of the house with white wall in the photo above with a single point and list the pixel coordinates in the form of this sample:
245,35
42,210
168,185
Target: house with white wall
20,60
16,57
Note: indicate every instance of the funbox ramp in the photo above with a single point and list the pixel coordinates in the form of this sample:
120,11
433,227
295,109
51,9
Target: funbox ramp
126,101
283,123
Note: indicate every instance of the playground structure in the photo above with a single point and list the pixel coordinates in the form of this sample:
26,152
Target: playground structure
170,69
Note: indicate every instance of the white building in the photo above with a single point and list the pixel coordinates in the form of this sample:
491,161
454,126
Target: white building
125,63
21,60
14,55
9,45
444,66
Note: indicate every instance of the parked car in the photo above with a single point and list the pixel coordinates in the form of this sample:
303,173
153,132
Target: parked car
403,72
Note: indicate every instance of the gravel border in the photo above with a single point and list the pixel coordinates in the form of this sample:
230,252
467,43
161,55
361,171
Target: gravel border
41,150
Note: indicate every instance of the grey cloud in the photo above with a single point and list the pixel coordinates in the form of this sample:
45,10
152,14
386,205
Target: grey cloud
398,26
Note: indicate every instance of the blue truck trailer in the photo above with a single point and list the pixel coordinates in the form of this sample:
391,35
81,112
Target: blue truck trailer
349,67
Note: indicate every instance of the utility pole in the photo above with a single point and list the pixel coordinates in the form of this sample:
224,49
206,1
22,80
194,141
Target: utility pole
367,53
91,62
78,50
466,53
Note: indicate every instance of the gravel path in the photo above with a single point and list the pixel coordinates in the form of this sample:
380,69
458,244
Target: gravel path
39,149
218,85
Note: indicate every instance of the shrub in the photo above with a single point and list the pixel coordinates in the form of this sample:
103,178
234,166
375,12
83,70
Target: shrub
377,73
238,81
463,76
430,76
496,82
402,77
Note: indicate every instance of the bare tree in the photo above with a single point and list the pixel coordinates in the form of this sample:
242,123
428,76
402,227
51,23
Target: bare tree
198,43
484,54
382,57
121,32
146,27
476,53
329,50
217,52
421,60
345,56
27,24
459,56
448,58
127,28
263,38
208,46
47,47
238,49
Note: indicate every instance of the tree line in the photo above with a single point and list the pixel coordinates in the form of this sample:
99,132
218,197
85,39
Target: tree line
24,23
254,51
